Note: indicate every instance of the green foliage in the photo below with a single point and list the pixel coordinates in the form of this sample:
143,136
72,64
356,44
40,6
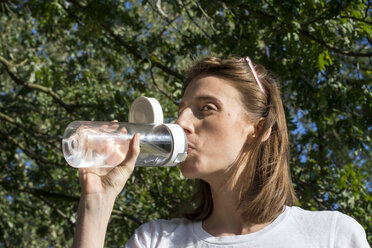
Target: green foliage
67,60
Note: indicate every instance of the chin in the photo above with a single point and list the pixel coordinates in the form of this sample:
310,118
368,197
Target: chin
189,170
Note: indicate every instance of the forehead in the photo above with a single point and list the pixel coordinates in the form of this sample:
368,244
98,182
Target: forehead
213,87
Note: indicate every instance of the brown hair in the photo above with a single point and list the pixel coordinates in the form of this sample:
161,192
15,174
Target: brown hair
264,183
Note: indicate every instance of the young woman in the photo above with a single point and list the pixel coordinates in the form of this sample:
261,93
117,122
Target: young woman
234,120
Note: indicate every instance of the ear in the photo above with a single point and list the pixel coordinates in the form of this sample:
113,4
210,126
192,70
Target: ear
258,128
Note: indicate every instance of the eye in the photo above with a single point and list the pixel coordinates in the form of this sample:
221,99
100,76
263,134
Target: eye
208,108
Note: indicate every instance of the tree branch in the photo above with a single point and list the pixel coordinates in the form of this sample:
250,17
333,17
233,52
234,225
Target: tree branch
367,9
158,6
334,48
193,21
120,213
307,34
55,209
162,91
20,108
357,19
130,48
31,154
39,192
7,118
34,133
11,71
259,12
168,21
136,54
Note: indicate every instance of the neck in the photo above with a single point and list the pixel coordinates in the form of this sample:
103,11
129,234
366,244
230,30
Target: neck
226,218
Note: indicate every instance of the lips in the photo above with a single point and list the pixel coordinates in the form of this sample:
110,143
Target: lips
189,148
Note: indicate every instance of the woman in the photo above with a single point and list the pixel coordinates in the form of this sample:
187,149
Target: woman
233,117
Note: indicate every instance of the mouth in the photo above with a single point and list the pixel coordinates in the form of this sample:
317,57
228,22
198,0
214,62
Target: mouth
189,148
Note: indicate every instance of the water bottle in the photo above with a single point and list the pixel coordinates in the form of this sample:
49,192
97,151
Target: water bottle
105,144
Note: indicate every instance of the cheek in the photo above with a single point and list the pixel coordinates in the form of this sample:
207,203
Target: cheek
225,136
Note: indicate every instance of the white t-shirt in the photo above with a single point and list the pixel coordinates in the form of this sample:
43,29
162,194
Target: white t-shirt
295,227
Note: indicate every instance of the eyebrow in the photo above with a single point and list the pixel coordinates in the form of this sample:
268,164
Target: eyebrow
203,98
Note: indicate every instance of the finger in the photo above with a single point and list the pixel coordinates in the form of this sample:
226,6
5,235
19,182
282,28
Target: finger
114,126
128,164
123,130
133,152
119,175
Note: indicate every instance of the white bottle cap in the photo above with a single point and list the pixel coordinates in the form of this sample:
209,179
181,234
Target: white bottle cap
146,110
179,140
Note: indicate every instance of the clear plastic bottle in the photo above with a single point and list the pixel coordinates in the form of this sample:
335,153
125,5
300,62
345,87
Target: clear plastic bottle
105,144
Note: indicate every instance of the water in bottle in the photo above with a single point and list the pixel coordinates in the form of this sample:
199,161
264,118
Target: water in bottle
105,144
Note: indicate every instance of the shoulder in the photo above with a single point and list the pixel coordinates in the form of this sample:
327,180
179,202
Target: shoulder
313,219
349,231
334,227
161,233
311,213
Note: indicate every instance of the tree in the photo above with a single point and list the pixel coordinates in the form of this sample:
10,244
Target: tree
65,60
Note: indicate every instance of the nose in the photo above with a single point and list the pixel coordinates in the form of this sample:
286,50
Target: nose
185,120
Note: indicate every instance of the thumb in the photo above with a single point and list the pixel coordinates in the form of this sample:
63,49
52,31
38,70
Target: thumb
119,175
131,158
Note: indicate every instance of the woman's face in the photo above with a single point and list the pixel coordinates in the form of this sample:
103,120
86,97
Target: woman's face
215,122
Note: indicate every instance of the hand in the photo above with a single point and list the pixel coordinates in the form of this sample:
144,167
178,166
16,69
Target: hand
105,146
109,182
100,187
